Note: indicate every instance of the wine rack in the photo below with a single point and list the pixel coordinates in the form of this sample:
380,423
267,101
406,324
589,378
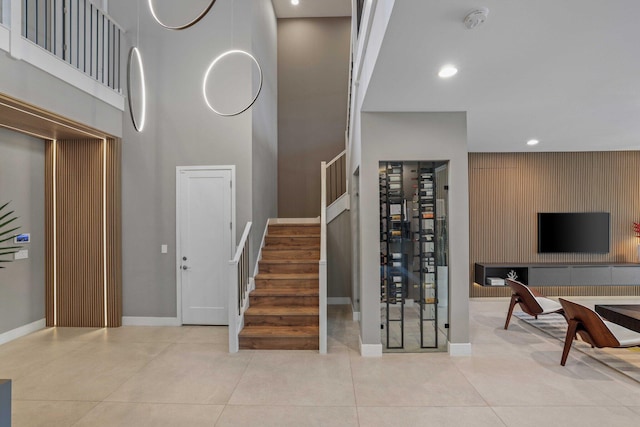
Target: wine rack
427,241
393,257
413,244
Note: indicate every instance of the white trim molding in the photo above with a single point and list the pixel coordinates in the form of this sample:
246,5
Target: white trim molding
150,321
356,315
22,331
340,205
370,350
459,349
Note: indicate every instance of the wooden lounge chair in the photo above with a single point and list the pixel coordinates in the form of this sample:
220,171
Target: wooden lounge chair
530,301
594,329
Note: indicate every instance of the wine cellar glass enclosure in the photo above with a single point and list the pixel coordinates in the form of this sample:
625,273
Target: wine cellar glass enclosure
413,255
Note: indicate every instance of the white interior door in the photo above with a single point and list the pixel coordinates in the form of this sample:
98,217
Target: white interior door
205,244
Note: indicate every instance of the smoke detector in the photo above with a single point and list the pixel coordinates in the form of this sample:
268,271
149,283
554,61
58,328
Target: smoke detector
476,18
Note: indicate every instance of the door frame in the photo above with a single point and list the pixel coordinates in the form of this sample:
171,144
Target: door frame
179,169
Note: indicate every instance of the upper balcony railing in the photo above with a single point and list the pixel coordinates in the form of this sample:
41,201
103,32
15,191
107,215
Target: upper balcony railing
359,11
77,32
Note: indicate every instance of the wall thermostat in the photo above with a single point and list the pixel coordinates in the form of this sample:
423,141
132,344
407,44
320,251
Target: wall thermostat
22,238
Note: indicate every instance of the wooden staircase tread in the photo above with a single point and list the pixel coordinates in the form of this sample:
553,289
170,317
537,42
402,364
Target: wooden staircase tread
290,261
294,236
288,276
283,311
300,248
279,331
284,292
295,224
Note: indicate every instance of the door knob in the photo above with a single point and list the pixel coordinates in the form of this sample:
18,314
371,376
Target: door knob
184,267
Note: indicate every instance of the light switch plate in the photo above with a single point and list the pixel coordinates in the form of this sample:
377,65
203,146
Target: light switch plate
163,249
23,254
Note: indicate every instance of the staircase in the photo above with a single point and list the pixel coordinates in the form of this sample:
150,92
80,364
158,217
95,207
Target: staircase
283,309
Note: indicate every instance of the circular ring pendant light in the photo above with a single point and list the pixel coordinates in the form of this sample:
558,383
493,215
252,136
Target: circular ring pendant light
138,125
206,78
180,27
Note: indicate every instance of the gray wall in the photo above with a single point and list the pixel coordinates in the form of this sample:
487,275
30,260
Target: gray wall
313,72
339,256
414,136
30,84
264,156
22,182
182,131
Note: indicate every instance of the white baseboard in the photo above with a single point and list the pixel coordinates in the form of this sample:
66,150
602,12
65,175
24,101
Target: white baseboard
356,315
338,300
459,349
370,350
22,331
150,321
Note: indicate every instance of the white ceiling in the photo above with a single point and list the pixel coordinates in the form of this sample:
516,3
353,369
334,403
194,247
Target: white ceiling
566,72
312,8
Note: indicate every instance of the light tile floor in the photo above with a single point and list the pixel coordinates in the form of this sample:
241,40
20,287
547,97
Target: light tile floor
148,376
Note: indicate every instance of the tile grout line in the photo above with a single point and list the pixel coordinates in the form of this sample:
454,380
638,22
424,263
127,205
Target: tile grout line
235,388
353,386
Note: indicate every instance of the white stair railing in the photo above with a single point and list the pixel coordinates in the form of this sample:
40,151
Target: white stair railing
240,281
333,186
336,177
322,269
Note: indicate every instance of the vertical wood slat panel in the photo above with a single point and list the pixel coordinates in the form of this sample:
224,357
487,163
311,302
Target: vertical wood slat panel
507,190
114,233
80,281
48,231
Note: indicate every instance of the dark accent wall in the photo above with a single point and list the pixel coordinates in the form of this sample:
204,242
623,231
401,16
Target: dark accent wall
313,79
507,190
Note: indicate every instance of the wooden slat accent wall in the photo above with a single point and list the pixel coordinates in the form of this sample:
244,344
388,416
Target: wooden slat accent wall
114,233
48,231
507,190
80,233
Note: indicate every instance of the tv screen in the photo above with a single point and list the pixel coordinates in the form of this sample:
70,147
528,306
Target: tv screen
586,232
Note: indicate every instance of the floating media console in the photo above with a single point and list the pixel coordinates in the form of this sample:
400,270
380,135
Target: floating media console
588,274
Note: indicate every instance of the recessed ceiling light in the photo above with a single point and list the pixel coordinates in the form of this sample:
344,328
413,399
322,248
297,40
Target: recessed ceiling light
295,2
447,71
532,142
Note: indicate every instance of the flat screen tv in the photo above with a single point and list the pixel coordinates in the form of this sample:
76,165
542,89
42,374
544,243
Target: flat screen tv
580,232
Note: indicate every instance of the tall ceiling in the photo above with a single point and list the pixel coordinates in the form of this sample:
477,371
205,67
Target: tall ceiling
312,8
564,72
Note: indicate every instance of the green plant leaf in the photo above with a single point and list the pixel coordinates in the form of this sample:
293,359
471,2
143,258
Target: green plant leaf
5,215
7,234
2,233
8,222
